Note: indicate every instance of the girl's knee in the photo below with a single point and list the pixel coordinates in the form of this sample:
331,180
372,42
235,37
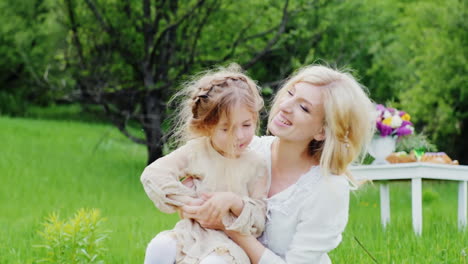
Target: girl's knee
164,241
161,249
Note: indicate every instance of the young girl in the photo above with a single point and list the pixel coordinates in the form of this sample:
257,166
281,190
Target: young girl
217,121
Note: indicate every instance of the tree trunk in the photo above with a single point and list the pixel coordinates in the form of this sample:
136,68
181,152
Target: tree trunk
154,153
153,112
152,128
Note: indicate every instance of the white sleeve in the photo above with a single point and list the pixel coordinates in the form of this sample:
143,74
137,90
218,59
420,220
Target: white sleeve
161,179
252,218
319,228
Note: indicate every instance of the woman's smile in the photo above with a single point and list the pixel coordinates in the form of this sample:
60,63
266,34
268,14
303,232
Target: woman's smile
282,121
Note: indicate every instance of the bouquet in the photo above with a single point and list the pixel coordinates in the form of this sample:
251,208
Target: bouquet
392,122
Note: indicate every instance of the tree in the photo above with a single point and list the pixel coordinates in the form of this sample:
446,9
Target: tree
129,56
426,62
30,50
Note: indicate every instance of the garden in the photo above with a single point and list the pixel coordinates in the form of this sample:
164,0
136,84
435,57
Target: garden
86,102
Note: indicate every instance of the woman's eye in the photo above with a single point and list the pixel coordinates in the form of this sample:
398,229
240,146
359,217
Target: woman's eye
224,129
290,93
247,125
305,109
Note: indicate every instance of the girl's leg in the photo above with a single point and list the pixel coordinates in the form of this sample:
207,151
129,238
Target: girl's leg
161,250
214,259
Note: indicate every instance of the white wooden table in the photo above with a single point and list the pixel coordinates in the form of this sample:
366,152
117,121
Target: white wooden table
416,172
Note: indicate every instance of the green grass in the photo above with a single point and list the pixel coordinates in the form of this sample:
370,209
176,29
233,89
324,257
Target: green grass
60,166
441,241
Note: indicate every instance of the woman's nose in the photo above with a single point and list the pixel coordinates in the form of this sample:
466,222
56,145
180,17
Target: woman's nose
286,105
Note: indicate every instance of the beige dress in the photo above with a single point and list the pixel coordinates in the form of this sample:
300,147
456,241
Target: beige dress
247,176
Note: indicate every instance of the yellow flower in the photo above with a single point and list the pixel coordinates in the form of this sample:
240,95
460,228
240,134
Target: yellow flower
406,117
387,121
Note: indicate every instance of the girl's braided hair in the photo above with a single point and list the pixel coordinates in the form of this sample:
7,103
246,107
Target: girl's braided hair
210,96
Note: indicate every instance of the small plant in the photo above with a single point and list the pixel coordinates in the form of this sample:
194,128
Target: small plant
79,240
415,142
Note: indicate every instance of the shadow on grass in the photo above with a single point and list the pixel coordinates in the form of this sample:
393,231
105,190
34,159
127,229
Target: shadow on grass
68,112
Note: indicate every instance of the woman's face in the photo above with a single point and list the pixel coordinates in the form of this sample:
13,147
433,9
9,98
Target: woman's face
300,114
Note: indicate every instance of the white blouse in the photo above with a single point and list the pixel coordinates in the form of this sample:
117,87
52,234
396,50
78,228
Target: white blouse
304,221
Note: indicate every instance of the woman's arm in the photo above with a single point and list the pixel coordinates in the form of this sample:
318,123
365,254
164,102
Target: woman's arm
249,244
321,221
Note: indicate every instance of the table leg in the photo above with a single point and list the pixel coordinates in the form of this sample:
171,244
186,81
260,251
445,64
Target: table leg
462,204
384,204
416,204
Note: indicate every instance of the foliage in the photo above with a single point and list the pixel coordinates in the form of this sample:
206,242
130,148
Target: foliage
426,67
415,141
79,240
131,56
31,68
12,103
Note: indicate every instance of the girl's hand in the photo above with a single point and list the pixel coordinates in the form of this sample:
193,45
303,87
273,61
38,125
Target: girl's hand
211,212
188,182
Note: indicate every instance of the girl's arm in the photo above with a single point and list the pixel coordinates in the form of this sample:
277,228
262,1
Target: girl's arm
233,212
161,180
215,207
251,220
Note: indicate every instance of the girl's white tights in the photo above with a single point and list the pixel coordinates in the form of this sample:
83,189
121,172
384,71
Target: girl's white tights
162,250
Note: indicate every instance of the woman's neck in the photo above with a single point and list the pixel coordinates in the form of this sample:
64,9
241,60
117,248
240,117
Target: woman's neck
289,161
292,151
290,157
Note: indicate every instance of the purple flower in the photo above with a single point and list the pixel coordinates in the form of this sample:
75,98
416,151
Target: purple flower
384,129
393,117
380,107
404,130
406,123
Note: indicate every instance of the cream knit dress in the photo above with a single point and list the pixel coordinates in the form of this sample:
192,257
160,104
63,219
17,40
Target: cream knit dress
246,176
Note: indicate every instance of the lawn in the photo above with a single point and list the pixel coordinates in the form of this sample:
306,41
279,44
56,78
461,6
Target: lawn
60,166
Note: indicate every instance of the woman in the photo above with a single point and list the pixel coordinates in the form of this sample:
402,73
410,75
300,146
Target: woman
321,120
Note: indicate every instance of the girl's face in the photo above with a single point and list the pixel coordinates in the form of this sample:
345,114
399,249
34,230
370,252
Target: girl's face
231,141
300,114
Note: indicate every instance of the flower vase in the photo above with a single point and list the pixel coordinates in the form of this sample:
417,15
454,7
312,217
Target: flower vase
380,148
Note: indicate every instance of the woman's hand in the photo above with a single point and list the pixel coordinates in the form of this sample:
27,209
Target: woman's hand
211,212
189,201
195,201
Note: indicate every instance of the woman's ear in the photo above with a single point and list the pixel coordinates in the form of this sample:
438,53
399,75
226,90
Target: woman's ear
321,135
